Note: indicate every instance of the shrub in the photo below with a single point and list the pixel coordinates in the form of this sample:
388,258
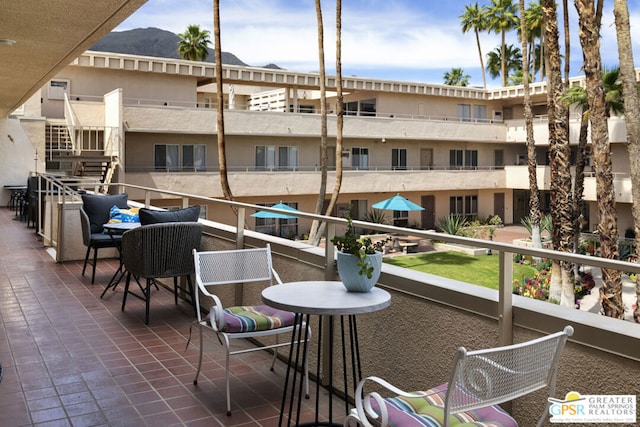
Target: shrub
452,224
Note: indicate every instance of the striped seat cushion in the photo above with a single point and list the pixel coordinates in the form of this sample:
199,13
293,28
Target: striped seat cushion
255,318
428,411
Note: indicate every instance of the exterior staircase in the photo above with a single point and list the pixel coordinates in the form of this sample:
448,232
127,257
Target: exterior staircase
75,161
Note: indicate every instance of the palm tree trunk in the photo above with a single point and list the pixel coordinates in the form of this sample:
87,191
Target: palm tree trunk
534,197
484,77
589,32
339,116
503,60
560,187
222,156
543,53
632,118
578,182
567,41
314,236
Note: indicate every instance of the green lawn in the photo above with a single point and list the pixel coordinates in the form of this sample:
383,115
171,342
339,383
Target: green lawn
480,270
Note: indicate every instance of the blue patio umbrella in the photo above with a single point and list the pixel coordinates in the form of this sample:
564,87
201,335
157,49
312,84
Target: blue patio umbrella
276,215
397,203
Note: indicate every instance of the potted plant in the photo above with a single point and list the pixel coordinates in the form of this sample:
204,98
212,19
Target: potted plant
359,259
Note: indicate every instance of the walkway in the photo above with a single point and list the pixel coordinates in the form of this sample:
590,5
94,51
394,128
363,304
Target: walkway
71,358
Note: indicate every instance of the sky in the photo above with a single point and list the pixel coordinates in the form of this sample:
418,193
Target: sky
408,40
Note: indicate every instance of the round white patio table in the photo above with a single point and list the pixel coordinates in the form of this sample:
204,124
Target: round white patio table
325,299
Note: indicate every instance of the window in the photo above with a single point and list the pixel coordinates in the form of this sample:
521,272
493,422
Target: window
365,107
466,206
58,87
359,209
467,159
464,112
265,157
498,158
471,159
399,158
194,157
456,158
351,108
360,158
287,158
368,107
480,113
401,218
166,157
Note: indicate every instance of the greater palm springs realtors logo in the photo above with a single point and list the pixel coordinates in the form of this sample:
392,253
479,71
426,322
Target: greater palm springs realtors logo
576,408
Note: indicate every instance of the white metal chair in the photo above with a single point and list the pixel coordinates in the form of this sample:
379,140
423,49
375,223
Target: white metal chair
241,266
481,380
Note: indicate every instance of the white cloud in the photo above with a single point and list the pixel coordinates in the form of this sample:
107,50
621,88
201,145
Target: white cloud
398,36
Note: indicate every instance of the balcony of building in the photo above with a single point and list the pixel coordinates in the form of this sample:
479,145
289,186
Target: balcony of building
67,353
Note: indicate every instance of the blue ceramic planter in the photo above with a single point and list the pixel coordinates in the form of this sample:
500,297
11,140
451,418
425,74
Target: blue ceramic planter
349,272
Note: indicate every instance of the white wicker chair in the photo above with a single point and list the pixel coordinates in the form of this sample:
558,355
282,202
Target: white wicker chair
238,267
482,379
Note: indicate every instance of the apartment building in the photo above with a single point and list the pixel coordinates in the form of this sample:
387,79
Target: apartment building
153,122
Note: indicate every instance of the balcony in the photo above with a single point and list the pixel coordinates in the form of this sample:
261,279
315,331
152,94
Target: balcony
70,358
66,353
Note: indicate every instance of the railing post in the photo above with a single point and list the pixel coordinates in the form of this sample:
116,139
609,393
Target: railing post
329,252
505,304
239,294
240,229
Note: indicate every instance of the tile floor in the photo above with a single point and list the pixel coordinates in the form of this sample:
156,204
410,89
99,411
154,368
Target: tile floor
69,358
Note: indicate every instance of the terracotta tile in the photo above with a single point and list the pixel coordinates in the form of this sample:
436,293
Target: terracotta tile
71,358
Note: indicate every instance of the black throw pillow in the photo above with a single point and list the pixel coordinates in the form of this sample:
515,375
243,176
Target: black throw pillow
190,214
97,208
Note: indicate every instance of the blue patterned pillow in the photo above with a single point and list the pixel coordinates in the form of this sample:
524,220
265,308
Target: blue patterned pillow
117,214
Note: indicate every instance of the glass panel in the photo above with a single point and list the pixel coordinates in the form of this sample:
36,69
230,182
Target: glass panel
173,163
187,157
464,112
368,107
200,157
160,157
480,113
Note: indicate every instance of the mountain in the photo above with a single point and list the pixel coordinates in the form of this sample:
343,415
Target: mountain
154,42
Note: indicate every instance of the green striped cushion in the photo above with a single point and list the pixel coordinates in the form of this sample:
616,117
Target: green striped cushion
428,412
255,318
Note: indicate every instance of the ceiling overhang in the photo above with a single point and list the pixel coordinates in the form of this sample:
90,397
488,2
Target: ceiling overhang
49,35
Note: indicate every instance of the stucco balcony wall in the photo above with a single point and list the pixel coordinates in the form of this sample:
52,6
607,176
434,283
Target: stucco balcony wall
193,120
305,182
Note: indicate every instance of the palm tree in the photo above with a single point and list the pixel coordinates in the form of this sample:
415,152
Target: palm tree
512,58
194,43
535,23
577,96
562,286
222,151
456,77
632,118
589,31
314,235
474,17
534,195
502,17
